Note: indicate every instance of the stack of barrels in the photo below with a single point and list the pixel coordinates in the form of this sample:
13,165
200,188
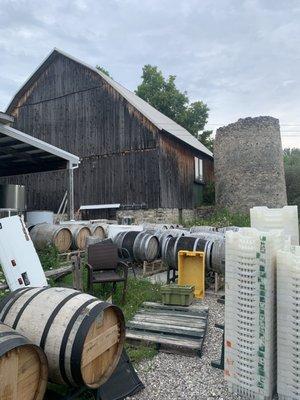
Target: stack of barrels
81,337
201,238
64,237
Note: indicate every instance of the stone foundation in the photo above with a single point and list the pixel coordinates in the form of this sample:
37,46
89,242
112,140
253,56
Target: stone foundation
165,215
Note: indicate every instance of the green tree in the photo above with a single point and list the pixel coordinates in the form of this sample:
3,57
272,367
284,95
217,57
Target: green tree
163,94
102,69
292,174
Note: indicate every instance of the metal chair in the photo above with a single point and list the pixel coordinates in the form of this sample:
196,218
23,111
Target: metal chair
103,265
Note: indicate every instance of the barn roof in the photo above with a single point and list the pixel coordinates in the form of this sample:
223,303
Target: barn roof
161,121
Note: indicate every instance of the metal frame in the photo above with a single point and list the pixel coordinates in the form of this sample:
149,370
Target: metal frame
39,144
71,160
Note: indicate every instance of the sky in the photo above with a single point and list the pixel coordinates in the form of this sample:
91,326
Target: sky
241,57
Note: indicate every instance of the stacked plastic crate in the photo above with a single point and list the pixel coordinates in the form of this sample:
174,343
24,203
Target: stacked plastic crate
286,218
250,337
288,324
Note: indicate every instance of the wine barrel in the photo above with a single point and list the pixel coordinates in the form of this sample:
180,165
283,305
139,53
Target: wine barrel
163,234
125,240
44,235
205,246
82,336
23,367
92,240
218,256
79,236
182,243
145,247
229,228
167,250
97,230
204,228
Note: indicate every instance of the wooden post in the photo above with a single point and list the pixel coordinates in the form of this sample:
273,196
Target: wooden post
77,272
71,192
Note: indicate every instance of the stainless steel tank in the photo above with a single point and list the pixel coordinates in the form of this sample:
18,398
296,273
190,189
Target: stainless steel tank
12,197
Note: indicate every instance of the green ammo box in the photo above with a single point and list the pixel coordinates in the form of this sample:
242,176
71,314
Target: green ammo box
177,295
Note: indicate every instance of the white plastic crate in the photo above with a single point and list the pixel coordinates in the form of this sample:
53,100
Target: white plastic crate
288,323
286,218
250,339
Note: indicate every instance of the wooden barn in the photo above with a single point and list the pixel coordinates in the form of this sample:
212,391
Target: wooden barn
130,153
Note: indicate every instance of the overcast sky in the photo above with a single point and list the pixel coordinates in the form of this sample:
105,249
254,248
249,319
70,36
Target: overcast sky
242,57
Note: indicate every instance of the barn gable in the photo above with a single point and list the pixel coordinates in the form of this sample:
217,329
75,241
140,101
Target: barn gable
159,120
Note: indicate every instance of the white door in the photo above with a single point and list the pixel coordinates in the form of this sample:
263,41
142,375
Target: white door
18,257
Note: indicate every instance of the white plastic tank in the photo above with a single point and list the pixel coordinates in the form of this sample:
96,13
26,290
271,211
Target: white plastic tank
39,217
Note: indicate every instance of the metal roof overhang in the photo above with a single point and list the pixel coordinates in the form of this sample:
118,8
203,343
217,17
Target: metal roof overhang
21,154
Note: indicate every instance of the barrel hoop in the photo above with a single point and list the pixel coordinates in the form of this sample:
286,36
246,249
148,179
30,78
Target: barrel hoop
12,344
65,338
14,296
52,317
7,333
77,348
24,306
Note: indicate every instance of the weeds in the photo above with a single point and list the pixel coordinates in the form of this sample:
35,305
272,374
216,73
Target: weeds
222,218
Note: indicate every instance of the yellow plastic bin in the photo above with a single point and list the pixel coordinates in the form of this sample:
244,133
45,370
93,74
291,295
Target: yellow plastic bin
191,271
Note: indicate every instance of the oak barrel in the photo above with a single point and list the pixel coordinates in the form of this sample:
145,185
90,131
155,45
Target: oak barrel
79,236
145,247
82,336
125,240
23,367
44,235
98,230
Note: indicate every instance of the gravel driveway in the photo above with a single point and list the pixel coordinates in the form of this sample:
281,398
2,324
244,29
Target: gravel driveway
169,376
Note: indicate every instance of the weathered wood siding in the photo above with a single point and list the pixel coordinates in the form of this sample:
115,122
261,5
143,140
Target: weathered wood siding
73,108
177,173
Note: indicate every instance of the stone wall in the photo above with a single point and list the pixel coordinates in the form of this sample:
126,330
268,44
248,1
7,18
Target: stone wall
249,167
166,215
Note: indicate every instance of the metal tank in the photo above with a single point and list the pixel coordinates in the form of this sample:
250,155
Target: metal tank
12,197
39,217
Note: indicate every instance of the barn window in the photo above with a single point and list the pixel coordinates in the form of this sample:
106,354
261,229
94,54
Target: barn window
198,169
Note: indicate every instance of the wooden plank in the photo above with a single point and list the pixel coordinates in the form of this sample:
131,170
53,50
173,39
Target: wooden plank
166,342
49,274
94,348
166,314
170,321
193,307
172,328
175,330
9,376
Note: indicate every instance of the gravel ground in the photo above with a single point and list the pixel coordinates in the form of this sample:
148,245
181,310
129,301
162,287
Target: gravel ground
170,376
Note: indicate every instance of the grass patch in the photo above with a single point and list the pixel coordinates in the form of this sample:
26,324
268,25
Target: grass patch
221,218
140,353
49,258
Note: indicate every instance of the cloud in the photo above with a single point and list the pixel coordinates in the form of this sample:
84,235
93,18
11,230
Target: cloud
240,56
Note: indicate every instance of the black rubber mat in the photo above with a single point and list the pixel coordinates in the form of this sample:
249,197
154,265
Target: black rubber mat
124,381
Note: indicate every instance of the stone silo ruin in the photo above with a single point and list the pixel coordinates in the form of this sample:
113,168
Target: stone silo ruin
249,167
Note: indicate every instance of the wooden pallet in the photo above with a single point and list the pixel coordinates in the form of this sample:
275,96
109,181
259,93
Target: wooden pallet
154,267
173,329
